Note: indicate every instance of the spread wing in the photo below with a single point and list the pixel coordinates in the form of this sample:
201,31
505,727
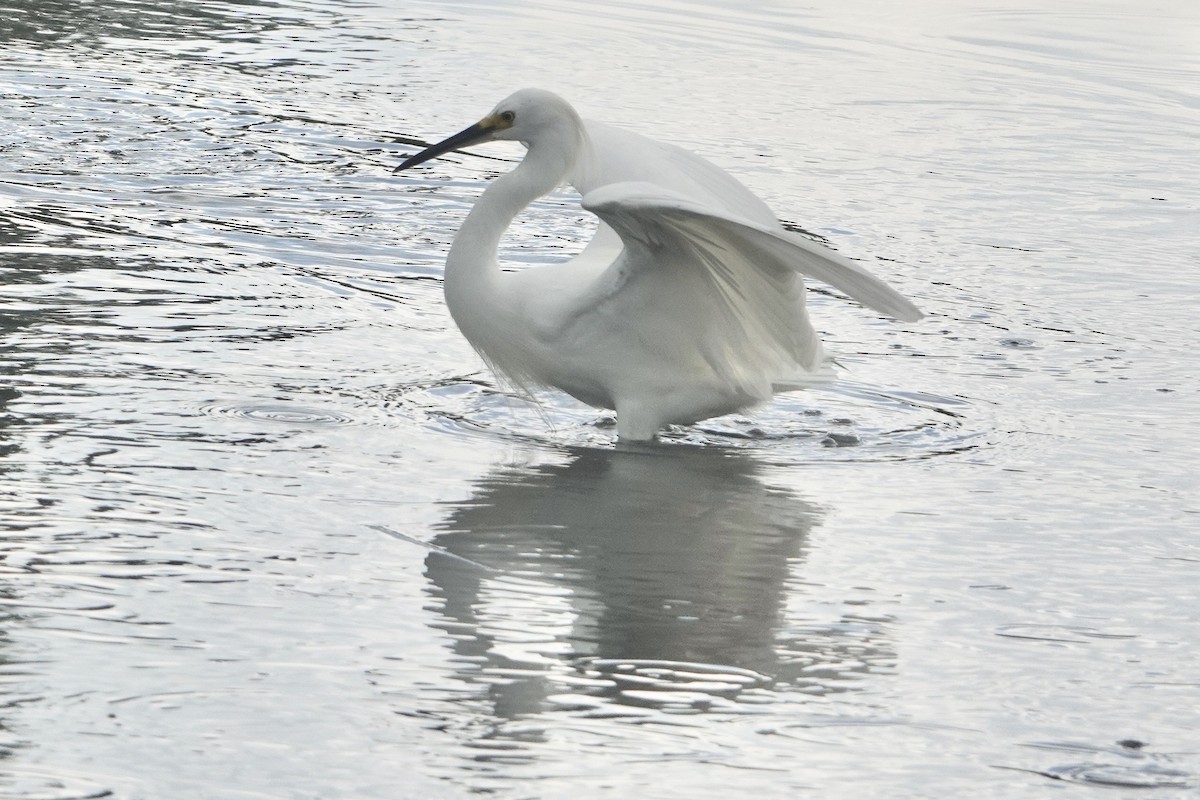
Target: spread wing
701,286
739,253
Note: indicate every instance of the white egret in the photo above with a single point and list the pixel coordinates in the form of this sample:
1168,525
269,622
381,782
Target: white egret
688,302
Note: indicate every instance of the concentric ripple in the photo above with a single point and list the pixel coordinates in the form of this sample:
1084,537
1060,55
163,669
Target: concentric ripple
35,784
287,413
1139,776
845,422
1126,765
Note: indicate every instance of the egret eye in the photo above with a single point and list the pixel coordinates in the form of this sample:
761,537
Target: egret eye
509,117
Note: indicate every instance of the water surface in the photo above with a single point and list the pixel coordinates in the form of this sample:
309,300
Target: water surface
271,531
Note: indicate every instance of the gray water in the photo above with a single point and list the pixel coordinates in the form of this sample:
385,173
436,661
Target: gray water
271,531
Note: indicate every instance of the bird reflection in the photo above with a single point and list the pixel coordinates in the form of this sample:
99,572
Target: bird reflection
667,555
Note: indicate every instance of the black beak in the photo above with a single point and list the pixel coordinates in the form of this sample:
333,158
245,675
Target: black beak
465,138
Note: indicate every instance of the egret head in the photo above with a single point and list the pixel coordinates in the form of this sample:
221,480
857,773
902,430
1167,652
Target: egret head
524,116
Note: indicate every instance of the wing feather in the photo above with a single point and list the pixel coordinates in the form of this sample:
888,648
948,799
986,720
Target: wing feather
653,216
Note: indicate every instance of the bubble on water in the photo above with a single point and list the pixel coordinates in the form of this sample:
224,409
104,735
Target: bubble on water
840,440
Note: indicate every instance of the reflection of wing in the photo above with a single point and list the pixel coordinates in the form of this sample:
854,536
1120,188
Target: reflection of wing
733,249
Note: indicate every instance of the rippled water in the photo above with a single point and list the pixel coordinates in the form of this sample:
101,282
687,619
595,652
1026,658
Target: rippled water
270,531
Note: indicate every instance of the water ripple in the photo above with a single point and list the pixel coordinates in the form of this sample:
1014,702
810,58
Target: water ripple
36,784
848,422
1127,765
223,317
292,414
1143,776
676,686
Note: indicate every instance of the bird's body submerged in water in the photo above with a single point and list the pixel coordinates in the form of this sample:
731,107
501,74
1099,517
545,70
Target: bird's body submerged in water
688,303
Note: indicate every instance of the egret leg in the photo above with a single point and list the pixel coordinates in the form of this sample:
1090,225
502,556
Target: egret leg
635,425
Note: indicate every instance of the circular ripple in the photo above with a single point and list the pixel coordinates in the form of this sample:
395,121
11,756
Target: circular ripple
36,785
1134,776
286,413
843,422
846,421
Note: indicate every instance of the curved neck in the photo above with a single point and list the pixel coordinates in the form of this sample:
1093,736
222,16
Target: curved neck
473,278
483,301
475,245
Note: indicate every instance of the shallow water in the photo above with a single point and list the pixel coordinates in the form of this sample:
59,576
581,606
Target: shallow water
270,530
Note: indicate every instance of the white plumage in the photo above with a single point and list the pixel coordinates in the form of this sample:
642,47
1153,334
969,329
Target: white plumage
688,302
